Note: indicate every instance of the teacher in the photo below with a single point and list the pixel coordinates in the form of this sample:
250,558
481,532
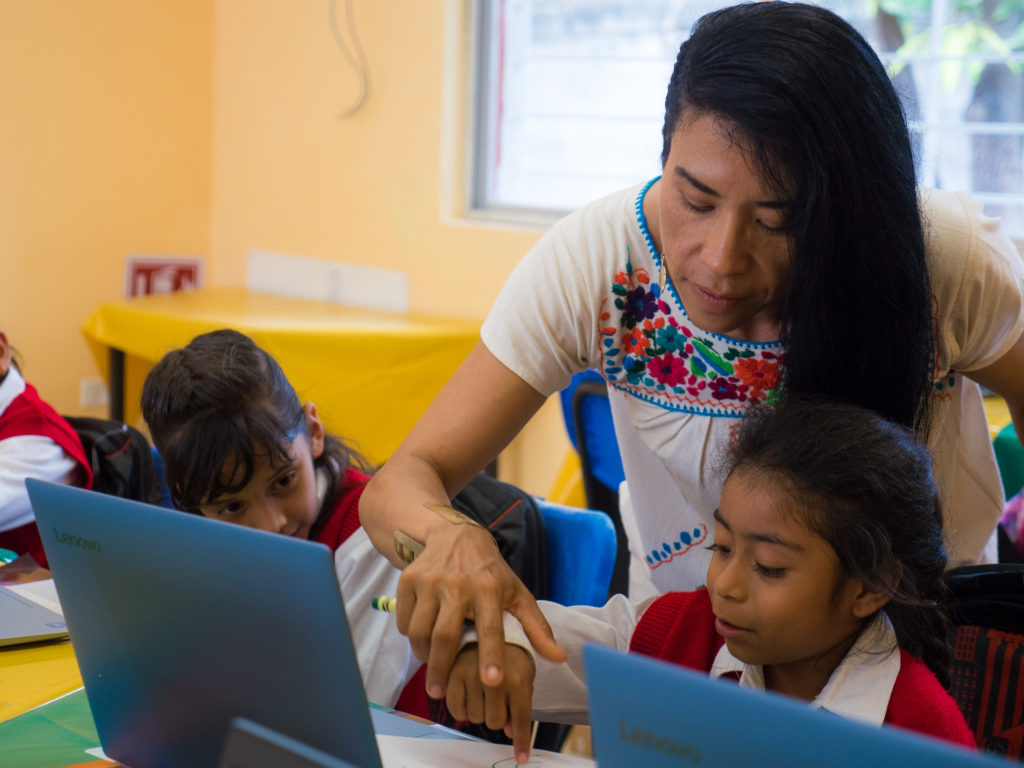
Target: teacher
784,251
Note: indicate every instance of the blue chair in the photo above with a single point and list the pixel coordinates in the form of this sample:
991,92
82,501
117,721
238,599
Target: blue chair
581,553
588,420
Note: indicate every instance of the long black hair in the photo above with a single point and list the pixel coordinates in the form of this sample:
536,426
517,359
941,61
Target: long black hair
224,399
864,485
804,93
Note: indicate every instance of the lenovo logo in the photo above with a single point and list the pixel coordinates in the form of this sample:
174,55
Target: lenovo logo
77,541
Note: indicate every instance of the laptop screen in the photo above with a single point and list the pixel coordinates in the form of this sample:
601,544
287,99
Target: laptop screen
24,620
181,624
655,714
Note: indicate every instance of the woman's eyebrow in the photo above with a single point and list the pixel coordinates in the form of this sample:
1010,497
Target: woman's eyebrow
702,187
680,171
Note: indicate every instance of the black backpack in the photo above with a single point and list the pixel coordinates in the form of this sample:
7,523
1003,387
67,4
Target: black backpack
120,456
986,606
512,517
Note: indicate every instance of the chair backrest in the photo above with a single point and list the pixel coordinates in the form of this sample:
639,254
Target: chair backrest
581,553
588,420
987,609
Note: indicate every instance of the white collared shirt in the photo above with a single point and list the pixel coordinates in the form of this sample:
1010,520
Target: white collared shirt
26,456
859,688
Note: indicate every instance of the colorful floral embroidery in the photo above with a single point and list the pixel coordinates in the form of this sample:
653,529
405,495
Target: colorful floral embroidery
654,353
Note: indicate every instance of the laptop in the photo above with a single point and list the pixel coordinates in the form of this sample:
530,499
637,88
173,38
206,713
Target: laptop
651,713
251,745
180,624
25,621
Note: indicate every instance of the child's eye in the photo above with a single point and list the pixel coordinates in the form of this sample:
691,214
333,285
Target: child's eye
286,480
718,548
230,510
767,572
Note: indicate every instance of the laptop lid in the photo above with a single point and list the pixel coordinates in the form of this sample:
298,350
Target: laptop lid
181,624
655,714
25,621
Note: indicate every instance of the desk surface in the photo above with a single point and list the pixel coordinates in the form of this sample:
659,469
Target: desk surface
370,373
31,675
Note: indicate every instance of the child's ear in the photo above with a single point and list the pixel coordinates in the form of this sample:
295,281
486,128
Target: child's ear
866,600
5,355
316,431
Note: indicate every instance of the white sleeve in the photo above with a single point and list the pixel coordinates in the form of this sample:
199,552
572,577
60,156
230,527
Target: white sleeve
544,325
559,690
977,279
385,657
28,456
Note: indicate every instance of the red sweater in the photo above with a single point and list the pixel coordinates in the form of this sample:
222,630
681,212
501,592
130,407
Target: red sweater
28,414
340,524
343,520
680,627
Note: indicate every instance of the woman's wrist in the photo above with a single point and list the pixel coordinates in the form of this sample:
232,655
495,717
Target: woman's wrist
452,524
408,548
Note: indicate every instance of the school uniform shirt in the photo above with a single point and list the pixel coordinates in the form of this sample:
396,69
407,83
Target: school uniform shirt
35,441
592,293
875,682
386,661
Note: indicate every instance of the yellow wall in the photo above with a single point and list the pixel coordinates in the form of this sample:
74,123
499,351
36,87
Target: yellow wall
211,127
105,147
291,175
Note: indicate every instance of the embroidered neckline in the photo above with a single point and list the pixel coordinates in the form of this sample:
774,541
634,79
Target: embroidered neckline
641,221
652,350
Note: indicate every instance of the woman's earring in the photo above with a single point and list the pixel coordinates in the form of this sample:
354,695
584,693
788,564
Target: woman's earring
661,277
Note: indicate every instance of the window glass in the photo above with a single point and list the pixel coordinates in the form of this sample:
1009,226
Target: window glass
571,94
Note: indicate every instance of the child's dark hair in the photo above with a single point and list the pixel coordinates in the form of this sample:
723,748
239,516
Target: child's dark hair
865,486
223,399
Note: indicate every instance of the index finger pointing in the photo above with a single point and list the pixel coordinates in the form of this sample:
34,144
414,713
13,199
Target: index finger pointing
519,705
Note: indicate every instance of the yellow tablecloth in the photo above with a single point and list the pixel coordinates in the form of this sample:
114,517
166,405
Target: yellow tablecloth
370,373
31,675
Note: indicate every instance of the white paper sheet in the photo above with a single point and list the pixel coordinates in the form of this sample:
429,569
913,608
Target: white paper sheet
405,752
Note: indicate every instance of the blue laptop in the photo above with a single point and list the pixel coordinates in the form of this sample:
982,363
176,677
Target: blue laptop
659,715
182,624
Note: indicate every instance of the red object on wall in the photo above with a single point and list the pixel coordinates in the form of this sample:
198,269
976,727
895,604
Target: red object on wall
146,275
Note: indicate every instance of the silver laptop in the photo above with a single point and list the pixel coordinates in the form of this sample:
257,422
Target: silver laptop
181,624
25,621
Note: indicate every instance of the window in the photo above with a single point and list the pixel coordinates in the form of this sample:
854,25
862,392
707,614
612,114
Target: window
571,94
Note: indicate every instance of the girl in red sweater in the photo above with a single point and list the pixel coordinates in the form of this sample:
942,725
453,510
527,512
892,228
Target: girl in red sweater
35,441
239,446
825,584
